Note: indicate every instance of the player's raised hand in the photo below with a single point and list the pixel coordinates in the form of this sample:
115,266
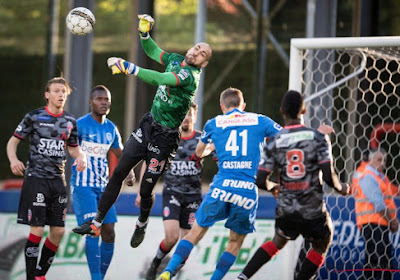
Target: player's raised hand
119,65
146,23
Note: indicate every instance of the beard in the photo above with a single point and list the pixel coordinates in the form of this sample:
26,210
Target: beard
185,127
190,61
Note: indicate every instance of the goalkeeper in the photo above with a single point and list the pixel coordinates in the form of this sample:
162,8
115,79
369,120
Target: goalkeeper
157,137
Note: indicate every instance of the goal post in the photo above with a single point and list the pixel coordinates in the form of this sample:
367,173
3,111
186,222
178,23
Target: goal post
352,84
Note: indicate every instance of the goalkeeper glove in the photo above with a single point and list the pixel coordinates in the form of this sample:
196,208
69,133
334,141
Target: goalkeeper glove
146,23
119,65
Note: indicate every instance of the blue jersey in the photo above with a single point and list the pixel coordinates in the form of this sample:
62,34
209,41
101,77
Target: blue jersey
238,137
95,140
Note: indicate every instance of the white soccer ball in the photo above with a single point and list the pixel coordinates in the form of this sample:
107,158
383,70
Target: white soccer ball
80,21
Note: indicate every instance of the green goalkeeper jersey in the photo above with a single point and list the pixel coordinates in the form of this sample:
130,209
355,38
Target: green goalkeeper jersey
171,103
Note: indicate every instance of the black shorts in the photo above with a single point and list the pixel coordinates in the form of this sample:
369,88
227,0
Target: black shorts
154,143
180,206
43,202
316,230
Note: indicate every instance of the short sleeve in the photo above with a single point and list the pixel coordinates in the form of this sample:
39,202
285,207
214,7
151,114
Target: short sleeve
73,138
271,127
207,132
117,143
24,128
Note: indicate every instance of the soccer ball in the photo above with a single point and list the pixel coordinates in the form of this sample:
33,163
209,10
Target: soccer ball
80,21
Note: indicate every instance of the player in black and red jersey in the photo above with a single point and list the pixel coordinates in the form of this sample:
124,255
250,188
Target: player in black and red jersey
43,201
298,153
182,193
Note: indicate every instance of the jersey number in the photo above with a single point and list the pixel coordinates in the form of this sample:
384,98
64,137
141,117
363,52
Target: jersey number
295,164
231,144
154,165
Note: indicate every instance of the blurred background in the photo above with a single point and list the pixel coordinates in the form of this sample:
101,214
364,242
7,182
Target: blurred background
250,41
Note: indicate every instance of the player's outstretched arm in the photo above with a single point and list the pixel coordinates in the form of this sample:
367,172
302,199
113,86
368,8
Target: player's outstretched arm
17,167
121,66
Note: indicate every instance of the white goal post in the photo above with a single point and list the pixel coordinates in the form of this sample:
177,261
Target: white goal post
352,84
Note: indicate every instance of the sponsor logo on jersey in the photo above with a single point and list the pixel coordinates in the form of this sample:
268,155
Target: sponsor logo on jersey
19,128
238,184
285,140
237,165
184,168
233,198
51,147
153,149
236,119
46,124
95,149
43,118
183,74
138,135
162,94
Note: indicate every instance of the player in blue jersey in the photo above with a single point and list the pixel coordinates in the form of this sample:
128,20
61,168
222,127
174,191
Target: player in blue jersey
238,137
97,136
299,154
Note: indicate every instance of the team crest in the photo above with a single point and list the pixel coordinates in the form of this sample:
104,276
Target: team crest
166,211
108,136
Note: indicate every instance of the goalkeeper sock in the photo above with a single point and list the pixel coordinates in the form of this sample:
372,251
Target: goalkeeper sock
310,265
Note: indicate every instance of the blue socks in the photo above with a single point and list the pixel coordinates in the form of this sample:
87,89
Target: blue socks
92,251
224,263
107,251
181,253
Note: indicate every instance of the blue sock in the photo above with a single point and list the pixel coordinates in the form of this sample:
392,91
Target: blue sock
224,263
93,257
181,253
107,251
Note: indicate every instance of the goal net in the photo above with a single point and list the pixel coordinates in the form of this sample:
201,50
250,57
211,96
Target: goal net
352,84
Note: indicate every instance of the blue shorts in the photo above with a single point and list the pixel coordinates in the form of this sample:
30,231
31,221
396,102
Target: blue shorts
85,201
238,207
